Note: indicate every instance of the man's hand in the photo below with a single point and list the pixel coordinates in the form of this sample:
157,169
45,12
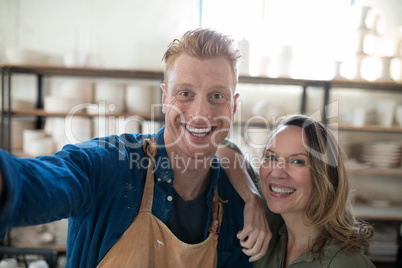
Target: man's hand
255,235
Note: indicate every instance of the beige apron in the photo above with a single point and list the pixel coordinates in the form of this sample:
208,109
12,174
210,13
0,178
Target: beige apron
148,242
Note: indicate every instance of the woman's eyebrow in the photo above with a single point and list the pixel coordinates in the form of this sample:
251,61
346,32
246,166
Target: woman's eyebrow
296,154
299,154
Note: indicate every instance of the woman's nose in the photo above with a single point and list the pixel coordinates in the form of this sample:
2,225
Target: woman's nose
279,169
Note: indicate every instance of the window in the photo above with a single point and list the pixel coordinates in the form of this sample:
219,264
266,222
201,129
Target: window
311,35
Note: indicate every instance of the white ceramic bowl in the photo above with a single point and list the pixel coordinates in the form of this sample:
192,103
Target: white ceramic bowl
112,95
44,146
139,99
77,89
398,115
23,56
57,104
29,136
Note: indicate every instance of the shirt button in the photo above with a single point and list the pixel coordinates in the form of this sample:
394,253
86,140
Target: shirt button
169,180
158,179
169,198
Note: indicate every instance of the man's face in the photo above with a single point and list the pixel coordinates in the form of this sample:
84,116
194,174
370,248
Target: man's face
199,105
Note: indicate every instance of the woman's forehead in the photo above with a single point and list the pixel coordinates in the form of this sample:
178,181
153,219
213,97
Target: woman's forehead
291,138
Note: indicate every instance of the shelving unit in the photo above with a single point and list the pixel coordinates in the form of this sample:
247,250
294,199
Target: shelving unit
41,112
391,214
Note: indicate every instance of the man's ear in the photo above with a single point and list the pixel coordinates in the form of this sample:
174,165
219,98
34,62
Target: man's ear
164,96
235,97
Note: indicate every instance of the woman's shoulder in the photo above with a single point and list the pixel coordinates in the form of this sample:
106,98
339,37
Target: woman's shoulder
342,257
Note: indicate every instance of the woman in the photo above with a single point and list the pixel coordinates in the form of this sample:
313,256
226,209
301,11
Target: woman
303,178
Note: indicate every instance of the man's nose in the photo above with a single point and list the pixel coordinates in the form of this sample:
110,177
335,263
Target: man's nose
201,107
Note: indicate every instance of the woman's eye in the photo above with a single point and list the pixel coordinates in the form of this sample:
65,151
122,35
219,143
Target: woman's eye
298,162
270,157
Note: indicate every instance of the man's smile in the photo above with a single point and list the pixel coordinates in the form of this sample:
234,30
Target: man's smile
199,131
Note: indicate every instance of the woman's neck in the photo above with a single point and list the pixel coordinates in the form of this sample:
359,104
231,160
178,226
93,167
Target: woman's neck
301,236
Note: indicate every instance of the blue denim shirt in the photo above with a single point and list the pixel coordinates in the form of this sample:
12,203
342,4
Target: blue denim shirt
98,185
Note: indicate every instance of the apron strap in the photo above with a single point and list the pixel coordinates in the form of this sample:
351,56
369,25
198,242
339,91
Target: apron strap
217,214
149,148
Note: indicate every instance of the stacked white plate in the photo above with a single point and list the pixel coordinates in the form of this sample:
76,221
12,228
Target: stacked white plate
112,95
384,244
78,89
382,154
139,99
18,125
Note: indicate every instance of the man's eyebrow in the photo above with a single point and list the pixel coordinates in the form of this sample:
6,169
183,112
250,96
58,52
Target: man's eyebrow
185,84
220,88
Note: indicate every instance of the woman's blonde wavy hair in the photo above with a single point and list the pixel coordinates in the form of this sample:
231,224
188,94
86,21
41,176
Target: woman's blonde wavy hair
203,44
329,207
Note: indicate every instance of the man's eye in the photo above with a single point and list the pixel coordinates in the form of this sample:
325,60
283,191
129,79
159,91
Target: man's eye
217,96
184,93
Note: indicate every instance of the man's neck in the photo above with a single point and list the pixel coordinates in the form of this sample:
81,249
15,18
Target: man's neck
191,176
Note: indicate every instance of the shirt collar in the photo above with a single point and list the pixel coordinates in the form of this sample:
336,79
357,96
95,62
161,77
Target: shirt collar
215,173
329,251
163,169
305,257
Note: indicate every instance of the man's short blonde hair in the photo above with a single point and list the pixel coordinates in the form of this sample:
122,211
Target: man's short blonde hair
203,44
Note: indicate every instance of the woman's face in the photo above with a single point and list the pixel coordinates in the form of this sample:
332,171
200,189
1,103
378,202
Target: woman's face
285,172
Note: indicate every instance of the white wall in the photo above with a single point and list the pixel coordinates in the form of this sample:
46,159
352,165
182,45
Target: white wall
125,33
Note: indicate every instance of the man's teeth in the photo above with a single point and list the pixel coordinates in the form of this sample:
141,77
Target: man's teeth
278,190
198,132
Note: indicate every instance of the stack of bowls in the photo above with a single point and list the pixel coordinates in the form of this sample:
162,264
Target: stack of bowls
36,143
139,99
382,154
112,95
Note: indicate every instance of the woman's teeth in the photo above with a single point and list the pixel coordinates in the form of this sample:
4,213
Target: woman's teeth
278,190
198,132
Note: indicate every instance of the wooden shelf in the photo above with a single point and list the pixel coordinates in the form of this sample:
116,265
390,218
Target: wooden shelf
255,123
158,75
391,213
59,249
372,128
392,86
392,172
344,127
88,72
40,112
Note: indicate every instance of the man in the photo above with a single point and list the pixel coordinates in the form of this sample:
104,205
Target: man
101,185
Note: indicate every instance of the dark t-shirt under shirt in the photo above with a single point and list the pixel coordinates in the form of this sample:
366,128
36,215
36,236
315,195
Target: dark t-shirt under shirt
187,218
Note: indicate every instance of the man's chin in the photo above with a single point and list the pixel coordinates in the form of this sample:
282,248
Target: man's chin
201,151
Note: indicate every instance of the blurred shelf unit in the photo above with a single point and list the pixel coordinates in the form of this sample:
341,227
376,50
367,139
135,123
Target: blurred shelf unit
42,112
391,172
45,71
393,214
7,71
40,72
